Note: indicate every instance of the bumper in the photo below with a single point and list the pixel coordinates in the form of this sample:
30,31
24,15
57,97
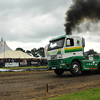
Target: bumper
58,67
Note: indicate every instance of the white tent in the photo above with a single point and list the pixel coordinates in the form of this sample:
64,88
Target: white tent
7,52
4,46
15,54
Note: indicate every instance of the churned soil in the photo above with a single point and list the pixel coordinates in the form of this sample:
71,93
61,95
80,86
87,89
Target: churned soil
31,84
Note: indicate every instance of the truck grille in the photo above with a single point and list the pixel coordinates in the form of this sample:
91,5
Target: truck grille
54,63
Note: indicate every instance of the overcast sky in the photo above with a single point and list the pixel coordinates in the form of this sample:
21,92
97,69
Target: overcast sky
32,23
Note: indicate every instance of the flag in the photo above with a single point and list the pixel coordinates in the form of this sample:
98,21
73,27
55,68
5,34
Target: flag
45,50
2,45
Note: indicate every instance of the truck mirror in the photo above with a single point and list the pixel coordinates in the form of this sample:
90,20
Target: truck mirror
83,42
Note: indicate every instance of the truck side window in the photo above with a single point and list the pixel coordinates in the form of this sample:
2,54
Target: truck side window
71,42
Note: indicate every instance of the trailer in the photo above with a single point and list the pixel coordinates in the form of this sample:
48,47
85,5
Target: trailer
66,53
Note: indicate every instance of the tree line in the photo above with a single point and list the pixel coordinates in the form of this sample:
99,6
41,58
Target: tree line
40,52
35,52
91,52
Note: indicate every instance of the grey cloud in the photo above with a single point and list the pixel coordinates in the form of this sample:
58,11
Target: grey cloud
43,5
17,19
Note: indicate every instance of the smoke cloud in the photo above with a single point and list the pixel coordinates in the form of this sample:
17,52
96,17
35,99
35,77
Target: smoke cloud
80,11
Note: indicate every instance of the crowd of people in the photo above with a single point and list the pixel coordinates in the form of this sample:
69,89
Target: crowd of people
24,62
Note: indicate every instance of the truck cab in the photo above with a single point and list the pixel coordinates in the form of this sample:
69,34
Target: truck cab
67,53
63,51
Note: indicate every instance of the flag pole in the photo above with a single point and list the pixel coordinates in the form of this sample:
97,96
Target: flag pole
4,49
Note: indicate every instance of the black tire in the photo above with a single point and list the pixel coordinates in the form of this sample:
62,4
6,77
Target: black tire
75,68
58,71
98,71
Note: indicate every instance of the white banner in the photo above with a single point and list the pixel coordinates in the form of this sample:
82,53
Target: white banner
33,62
14,64
23,63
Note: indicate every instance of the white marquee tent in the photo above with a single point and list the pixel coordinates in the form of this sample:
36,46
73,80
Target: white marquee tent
7,52
15,54
4,46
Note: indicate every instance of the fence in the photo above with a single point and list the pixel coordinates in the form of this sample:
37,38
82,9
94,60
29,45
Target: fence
22,62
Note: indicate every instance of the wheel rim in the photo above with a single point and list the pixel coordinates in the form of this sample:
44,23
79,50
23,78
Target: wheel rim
75,68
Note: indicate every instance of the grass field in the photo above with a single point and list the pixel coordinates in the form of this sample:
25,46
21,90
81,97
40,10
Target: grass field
25,67
92,94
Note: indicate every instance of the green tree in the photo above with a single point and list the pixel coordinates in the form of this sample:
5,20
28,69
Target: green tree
28,52
20,49
34,52
40,51
91,51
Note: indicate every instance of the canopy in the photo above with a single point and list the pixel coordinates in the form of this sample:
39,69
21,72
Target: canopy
15,54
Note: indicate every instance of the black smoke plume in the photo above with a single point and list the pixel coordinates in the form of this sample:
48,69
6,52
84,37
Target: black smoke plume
80,11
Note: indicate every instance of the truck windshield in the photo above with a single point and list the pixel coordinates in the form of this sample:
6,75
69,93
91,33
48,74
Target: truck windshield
56,44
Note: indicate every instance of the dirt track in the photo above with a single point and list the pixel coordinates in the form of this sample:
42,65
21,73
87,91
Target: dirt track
29,85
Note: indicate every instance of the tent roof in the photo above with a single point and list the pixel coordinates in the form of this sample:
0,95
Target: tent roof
15,54
4,47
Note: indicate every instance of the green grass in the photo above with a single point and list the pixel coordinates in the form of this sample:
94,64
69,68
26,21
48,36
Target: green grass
92,94
25,67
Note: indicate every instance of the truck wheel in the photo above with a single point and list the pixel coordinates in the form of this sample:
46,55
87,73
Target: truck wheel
75,68
58,71
98,71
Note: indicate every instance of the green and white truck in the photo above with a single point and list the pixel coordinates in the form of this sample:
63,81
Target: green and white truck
67,53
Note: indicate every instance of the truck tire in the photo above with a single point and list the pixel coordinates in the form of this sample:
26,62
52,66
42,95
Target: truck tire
98,71
58,71
75,68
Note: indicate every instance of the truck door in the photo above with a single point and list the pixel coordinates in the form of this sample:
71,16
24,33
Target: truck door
73,47
68,50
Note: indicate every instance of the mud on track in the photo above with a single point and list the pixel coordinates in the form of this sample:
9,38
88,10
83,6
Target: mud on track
31,84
